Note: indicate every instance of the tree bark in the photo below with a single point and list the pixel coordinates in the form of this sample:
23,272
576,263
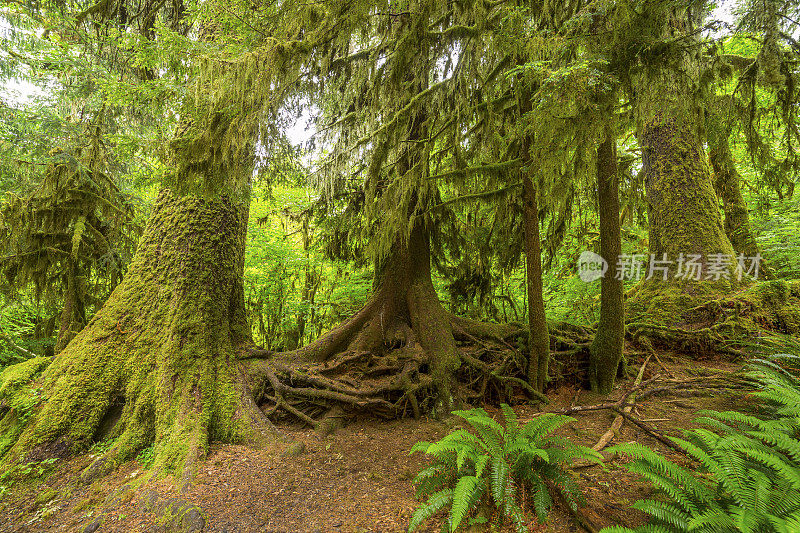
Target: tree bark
164,346
683,212
539,339
682,209
727,183
404,311
73,315
606,350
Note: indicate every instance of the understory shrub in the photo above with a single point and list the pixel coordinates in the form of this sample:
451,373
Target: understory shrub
489,472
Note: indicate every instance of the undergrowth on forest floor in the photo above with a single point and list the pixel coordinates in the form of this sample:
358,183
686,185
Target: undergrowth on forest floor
492,472
744,469
24,472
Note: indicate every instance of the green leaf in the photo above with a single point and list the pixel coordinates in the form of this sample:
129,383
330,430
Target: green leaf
465,496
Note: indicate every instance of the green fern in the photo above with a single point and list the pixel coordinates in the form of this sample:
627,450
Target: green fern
748,467
487,467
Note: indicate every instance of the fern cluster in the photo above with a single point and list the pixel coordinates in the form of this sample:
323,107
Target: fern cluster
494,467
748,474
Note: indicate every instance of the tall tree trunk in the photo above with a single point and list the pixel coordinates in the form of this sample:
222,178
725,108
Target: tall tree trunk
606,349
164,346
539,339
683,212
73,314
727,183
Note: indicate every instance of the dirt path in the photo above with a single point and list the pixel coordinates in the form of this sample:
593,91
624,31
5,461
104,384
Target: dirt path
356,480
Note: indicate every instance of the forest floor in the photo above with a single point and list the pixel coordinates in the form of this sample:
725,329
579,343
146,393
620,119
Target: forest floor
357,479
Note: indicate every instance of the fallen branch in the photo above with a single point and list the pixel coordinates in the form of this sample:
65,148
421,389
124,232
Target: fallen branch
660,437
17,348
617,423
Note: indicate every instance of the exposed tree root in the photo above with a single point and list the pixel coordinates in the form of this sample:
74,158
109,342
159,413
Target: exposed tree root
398,380
403,354
758,315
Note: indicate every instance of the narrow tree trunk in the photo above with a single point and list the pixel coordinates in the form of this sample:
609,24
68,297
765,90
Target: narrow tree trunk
73,314
310,283
539,340
727,185
606,350
164,346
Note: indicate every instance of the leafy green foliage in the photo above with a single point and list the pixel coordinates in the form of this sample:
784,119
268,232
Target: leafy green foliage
292,295
146,456
493,466
19,323
24,471
748,467
778,233
69,237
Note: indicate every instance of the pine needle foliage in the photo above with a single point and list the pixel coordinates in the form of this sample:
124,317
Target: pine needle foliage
497,469
74,222
746,475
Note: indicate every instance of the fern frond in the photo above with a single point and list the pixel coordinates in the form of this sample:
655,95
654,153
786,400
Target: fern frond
714,520
480,464
465,496
665,512
512,425
421,446
499,479
541,499
435,503
544,425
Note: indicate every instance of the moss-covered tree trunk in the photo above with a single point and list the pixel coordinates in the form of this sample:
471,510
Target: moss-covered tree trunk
158,363
539,338
727,183
683,211
606,349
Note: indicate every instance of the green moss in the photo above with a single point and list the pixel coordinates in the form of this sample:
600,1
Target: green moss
20,396
84,505
21,374
46,496
773,305
710,322
163,346
666,303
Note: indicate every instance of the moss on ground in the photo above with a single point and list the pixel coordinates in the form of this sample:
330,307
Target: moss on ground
703,322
